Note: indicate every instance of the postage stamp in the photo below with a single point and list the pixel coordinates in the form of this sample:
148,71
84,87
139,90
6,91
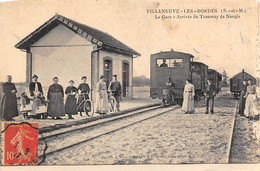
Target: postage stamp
20,143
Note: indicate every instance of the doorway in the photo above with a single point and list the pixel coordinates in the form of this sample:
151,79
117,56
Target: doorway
125,78
108,71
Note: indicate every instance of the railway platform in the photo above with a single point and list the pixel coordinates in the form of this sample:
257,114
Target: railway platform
126,105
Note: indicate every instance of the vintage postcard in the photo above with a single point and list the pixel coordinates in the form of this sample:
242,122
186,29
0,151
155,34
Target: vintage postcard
150,83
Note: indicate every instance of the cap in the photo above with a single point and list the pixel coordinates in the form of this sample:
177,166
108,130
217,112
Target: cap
83,77
102,76
71,81
55,78
34,76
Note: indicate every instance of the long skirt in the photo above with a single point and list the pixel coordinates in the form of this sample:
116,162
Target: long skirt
56,105
34,106
251,106
37,107
71,105
8,106
188,103
102,102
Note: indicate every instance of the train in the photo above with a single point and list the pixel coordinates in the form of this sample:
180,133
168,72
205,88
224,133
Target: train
236,82
216,78
178,67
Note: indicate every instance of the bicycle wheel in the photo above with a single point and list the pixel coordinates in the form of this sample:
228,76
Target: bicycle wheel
112,102
88,108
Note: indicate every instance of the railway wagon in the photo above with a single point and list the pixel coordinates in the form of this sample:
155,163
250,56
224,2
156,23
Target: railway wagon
170,64
236,82
216,78
199,78
220,81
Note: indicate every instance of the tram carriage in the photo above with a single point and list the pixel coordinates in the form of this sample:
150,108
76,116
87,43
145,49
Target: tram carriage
173,65
236,82
216,78
199,78
179,67
220,82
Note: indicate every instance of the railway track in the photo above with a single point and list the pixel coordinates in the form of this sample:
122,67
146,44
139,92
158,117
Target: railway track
58,141
244,146
232,133
64,141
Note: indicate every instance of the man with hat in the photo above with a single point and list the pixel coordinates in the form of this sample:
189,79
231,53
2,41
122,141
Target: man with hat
35,87
210,94
115,88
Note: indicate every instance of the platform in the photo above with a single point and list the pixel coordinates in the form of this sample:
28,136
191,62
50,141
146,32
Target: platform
126,105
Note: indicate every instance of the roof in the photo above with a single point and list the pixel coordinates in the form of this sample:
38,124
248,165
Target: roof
243,74
172,51
213,71
200,63
96,36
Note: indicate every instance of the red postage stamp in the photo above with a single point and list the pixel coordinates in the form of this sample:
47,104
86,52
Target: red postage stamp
20,144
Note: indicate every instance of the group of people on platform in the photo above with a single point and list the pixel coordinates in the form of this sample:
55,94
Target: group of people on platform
189,94
248,101
55,98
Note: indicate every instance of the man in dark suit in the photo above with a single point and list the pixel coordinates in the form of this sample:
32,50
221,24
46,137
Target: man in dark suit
35,87
210,94
115,89
242,99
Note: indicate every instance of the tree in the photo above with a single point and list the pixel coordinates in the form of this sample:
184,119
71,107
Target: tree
224,78
141,81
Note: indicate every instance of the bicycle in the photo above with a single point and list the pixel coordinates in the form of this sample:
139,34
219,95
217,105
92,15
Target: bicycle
87,105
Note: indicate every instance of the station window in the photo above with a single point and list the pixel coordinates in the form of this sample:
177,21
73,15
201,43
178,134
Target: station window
169,63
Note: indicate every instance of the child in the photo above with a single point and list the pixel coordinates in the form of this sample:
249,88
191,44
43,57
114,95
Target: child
41,105
26,105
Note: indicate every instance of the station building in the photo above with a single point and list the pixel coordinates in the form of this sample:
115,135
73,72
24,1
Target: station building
69,50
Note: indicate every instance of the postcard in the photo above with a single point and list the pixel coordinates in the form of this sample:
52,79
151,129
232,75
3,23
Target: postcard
150,84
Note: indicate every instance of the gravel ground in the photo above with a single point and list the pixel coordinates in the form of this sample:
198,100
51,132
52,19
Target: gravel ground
171,138
77,136
245,143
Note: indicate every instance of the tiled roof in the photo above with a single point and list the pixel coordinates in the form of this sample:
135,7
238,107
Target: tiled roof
98,37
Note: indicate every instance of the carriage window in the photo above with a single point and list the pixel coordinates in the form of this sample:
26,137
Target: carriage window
169,63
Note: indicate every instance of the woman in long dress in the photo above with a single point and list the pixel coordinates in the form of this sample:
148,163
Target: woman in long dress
188,98
56,103
102,97
251,101
71,101
8,106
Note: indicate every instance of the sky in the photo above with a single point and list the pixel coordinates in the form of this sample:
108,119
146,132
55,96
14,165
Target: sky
227,44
